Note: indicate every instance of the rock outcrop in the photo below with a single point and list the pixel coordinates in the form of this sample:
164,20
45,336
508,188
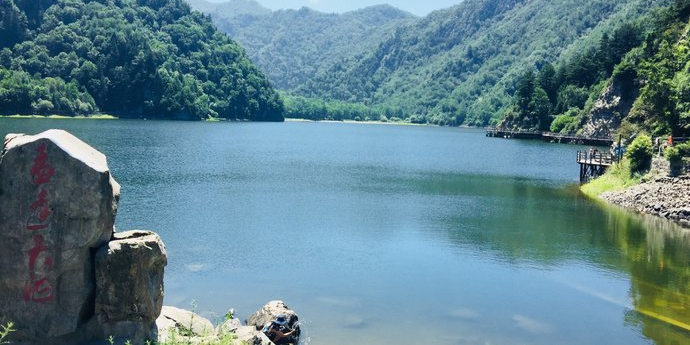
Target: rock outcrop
611,108
58,203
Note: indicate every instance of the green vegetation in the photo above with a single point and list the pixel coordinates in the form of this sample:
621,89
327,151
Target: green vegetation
291,46
662,67
640,154
678,156
230,8
462,65
535,65
316,109
131,58
570,89
617,177
91,117
644,63
5,332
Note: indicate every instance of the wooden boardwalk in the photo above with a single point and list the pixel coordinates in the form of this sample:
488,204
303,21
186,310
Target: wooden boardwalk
548,137
593,163
512,134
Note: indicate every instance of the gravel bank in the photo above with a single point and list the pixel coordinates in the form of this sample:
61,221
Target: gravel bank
667,197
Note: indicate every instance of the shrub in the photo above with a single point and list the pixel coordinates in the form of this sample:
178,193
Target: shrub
677,156
564,120
640,154
673,155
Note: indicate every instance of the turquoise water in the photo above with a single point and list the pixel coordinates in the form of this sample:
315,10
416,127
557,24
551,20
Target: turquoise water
393,234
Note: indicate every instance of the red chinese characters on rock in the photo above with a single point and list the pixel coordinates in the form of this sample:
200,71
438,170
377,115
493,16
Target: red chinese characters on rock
39,289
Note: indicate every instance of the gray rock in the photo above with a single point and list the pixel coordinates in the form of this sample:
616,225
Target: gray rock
230,326
610,108
250,335
184,324
269,312
129,280
57,205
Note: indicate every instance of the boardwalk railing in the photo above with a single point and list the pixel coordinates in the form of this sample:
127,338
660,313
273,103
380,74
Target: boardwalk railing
594,157
548,136
593,163
593,140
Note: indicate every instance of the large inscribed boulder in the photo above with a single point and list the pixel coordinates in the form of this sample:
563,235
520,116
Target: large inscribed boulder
57,206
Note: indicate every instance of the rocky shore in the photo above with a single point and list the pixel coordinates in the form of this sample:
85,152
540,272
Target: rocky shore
175,324
67,277
667,197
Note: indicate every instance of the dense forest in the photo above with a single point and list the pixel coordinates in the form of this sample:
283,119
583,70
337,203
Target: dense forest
456,66
130,58
460,66
636,79
291,46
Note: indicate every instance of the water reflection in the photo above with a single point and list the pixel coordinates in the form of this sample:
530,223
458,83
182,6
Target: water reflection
508,222
657,256
444,227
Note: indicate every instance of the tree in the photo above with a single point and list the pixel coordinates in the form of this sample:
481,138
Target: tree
13,24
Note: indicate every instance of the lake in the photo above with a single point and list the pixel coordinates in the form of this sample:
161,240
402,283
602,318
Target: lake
392,234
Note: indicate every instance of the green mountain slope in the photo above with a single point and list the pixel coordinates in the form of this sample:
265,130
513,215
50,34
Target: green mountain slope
658,73
634,79
132,58
291,46
461,65
230,9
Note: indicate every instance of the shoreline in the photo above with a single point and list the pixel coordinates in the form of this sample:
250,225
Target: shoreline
656,194
391,123
398,123
661,196
61,117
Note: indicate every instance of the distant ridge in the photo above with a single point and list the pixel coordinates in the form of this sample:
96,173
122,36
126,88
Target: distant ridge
291,46
230,8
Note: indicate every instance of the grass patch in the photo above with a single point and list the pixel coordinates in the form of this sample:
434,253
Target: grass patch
617,177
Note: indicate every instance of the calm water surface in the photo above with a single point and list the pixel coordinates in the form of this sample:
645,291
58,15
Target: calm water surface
393,234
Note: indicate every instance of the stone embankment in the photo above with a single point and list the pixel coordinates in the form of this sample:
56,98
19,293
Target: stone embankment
667,197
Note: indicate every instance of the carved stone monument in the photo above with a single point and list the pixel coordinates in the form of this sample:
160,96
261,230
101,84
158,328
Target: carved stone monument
57,209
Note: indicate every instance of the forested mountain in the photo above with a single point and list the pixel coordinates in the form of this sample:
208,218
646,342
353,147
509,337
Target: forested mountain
291,46
131,58
654,78
230,9
636,79
461,65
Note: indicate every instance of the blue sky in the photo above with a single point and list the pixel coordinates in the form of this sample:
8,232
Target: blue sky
417,7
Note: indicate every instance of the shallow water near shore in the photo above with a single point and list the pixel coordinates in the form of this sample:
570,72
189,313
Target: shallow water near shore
393,234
